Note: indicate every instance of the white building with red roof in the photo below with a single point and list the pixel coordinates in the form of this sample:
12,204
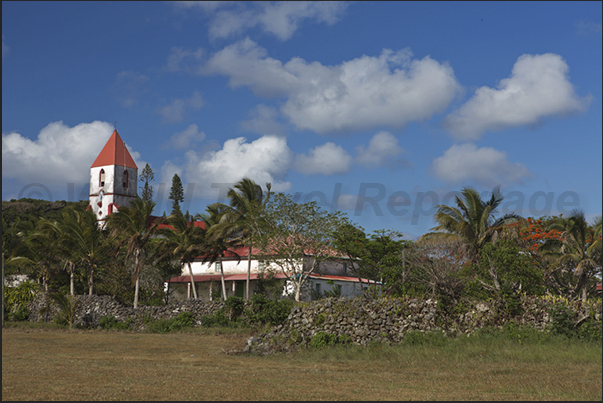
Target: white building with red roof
113,178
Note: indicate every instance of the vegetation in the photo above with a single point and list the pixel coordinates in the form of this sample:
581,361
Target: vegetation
472,254
176,193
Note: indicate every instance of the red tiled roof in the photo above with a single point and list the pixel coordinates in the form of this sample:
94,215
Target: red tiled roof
254,276
599,287
114,153
216,277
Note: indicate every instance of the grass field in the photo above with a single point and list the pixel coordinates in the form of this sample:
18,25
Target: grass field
46,363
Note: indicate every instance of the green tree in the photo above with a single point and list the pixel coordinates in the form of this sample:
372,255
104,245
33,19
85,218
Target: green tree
241,218
217,242
295,238
132,227
176,193
84,241
147,176
472,221
577,254
68,306
183,240
36,254
378,256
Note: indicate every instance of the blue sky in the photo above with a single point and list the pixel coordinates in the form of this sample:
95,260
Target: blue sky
382,110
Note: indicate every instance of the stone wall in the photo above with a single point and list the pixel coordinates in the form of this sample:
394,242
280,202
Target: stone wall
362,320
388,320
93,307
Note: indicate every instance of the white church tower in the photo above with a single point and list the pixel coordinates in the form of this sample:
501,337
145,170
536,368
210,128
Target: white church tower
113,179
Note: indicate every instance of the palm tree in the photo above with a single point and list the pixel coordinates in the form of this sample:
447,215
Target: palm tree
578,252
239,219
471,221
88,242
62,231
217,241
37,251
184,241
132,225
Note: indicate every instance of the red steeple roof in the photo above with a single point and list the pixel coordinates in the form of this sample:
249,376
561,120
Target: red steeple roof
115,153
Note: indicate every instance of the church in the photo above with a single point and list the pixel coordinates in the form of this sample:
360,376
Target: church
113,183
113,179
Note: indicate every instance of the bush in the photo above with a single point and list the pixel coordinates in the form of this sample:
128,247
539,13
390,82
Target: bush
564,319
20,314
265,311
181,321
109,322
219,318
16,300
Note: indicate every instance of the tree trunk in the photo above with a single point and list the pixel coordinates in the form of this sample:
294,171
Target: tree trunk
137,270
297,292
136,288
72,280
248,274
223,282
190,272
90,281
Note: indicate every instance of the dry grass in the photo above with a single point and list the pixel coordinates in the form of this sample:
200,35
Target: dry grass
56,364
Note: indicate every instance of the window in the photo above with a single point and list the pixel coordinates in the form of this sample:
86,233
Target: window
101,178
345,268
317,288
100,196
218,266
125,181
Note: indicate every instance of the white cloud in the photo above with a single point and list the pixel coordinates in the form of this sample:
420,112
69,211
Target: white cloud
267,159
486,166
538,87
327,159
381,151
187,138
589,28
179,56
347,202
174,112
59,155
263,121
389,90
280,19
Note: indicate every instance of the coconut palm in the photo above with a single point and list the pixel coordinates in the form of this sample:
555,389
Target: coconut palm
61,231
217,241
240,217
133,227
577,252
36,252
87,241
471,221
184,241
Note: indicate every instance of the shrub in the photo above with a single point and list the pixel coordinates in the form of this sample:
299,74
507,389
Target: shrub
16,300
323,339
263,311
181,321
218,318
110,322
564,319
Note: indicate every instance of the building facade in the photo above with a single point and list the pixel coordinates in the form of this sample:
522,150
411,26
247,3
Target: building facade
113,179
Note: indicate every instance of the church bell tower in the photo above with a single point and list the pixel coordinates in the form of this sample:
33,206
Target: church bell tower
113,179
